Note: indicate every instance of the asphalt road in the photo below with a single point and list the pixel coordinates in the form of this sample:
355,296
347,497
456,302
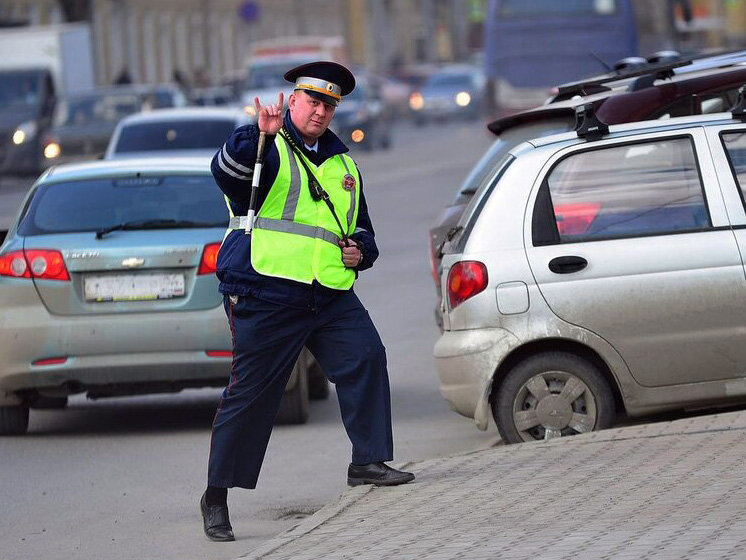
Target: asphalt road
121,478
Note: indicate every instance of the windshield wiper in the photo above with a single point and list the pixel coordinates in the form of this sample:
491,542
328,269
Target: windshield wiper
155,224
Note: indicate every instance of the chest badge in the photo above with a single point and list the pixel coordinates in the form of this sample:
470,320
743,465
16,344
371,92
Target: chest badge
348,183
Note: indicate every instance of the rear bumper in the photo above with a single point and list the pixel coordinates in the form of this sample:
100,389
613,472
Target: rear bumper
466,362
99,350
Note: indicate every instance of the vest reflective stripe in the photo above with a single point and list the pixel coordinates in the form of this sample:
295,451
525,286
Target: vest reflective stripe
239,222
297,237
351,211
291,202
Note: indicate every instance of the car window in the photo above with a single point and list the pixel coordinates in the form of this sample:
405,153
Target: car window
620,191
98,203
704,104
735,147
174,135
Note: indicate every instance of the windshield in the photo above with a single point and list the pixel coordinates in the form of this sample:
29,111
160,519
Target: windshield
79,110
175,135
449,80
270,75
552,7
96,204
20,90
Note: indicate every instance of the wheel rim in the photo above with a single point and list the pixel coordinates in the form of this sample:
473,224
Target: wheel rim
553,404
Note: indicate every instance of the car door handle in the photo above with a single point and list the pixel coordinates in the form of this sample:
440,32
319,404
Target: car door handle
567,264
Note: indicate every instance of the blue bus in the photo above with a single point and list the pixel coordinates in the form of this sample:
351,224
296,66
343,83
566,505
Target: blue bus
537,44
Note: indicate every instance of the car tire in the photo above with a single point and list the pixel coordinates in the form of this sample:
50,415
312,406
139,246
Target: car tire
14,420
550,395
49,403
294,403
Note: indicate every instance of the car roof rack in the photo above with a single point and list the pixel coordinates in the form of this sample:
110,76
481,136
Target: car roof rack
587,124
739,109
652,72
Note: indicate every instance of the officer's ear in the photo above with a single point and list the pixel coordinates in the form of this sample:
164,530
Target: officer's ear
291,100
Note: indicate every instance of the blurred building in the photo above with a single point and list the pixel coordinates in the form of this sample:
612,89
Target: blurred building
206,41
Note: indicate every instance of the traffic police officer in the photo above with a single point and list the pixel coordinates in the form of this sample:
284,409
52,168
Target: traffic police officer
289,284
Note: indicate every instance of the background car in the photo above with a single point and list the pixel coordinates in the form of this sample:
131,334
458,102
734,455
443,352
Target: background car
108,288
672,87
85,122
363,118
455,91
600,272
192,131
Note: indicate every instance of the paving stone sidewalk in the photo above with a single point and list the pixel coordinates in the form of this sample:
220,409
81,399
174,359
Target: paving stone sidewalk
669,490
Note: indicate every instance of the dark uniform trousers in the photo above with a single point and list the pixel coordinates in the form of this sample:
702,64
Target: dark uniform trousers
267,339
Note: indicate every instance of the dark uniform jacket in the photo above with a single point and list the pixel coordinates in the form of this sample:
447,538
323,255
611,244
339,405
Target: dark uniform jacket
231,166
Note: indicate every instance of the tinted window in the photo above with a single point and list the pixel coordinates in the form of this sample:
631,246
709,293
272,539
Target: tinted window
735,147
176,135
95,204
629,190
553,7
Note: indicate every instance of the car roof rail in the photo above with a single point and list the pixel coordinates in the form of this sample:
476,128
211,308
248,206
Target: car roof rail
739,109
587,124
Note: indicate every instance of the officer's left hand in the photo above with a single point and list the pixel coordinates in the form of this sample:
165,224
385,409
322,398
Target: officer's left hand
351,256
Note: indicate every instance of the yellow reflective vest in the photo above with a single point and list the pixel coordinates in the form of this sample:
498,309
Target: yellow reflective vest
297,237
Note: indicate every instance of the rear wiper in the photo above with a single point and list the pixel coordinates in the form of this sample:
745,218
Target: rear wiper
155,224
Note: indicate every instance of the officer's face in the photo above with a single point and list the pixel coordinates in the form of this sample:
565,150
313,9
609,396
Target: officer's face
309,115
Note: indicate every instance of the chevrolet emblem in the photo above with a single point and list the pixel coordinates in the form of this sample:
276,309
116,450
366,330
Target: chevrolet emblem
133,262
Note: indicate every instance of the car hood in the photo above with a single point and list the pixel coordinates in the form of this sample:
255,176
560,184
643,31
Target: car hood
444,91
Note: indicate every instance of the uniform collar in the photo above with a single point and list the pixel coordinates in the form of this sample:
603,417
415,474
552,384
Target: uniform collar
328,144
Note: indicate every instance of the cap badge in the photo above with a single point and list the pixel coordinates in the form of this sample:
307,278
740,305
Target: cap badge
330,87
348,183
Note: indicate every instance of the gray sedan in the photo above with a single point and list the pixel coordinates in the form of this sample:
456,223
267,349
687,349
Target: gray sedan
108,287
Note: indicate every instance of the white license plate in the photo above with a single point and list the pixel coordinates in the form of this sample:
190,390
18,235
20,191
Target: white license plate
133,287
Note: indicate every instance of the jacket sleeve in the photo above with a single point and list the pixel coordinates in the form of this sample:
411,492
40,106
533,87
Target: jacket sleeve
233,165
364,233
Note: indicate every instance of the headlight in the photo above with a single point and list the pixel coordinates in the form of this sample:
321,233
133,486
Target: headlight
25,131
52,150
463,99
357,136
416,101
249,110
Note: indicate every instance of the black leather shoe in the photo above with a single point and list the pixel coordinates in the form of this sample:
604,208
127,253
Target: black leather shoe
379,474
216,523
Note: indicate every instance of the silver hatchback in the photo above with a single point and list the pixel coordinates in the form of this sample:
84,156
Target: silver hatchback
600,273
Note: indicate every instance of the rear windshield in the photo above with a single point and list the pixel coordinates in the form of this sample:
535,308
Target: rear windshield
177,135
95,204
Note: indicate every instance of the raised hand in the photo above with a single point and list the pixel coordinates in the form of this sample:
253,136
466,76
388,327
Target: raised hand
269,117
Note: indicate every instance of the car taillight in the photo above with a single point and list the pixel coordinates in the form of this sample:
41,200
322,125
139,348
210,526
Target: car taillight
465,279
209,263
46,264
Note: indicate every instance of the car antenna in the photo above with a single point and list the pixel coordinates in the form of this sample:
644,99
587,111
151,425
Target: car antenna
601,61
739,109
587,124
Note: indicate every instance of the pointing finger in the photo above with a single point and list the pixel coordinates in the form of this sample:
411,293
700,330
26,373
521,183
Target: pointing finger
280,101
258,105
